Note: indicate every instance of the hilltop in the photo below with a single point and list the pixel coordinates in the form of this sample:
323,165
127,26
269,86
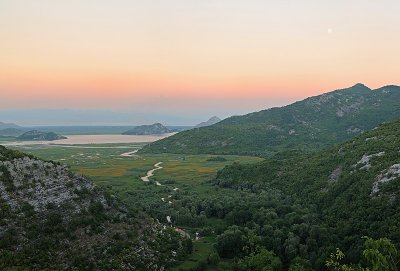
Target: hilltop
53,219
308,124
153,129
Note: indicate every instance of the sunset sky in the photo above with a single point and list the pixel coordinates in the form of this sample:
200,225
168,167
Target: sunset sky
194,57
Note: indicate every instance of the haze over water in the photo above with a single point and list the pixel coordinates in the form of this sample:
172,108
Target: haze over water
93,139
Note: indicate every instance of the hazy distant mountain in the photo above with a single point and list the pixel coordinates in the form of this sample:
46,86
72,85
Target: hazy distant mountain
38,135
11,132
8,125
98,117
211,121
154,129
312,123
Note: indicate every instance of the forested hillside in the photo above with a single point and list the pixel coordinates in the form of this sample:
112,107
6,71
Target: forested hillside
309,124
53,219
327,200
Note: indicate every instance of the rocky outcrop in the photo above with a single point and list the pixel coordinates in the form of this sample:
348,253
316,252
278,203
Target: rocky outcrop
54,219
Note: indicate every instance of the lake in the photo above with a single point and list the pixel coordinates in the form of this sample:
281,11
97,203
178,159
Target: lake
92,139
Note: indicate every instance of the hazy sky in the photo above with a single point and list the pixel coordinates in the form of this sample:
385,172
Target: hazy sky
204,56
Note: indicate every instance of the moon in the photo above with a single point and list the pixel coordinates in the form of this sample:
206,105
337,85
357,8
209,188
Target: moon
330,30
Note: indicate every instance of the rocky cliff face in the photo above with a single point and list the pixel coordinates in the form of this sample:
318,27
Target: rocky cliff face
51,218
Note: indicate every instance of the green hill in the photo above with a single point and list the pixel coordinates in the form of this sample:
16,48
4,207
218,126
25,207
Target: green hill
53,219
312,123
343,193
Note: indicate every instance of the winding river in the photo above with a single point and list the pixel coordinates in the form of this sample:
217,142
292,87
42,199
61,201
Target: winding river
150,173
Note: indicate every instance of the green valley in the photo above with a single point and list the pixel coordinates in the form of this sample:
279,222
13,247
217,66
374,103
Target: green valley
293,209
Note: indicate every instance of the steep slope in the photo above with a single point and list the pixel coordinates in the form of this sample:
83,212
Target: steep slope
153,129
38,135
52,219
353,187
211,121
311,123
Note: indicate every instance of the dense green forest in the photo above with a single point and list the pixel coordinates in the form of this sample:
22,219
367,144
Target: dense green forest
296,209
306,125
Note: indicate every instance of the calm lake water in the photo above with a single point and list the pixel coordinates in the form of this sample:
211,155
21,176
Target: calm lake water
92,139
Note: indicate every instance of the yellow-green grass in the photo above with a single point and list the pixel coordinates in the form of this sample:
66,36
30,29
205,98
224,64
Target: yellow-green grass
106,163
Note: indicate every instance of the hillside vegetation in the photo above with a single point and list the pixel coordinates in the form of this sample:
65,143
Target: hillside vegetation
53,219
322,201
309,124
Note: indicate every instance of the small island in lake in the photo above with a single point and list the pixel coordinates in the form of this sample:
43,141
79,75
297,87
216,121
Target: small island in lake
153,129
36,135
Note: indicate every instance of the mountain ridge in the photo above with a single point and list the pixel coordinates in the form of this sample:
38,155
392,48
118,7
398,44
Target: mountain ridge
311,123
4,125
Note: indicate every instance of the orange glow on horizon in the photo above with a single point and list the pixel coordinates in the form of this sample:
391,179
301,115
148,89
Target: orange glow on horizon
115,52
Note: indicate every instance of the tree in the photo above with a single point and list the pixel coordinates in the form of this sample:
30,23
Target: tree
379,255
230,244
264,260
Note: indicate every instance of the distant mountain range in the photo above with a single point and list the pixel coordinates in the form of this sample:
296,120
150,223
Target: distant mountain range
211,121
309,124
153,129
9,126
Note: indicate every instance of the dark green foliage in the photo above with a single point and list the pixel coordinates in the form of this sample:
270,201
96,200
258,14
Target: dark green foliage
231,243
261,261
216,159
335,192
309,124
